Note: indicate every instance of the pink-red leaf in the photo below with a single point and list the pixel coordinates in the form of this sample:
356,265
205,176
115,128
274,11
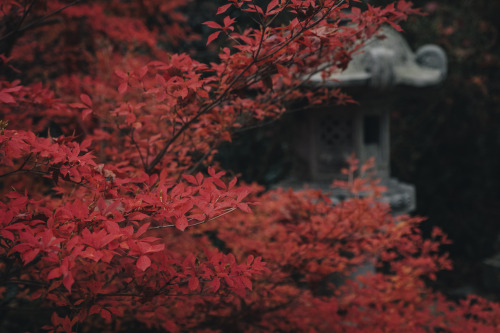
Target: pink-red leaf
246,281
143,71
215,284
212,24
213,36
123,88
78,105
121,74
142,229
244,207
193,283
86,99
232,183
68,281
137,216
6,98
30,255
181,223
190,179
86,113
222,9
55,273
106,315
143,262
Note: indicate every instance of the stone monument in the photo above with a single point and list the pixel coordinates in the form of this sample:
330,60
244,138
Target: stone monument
326,135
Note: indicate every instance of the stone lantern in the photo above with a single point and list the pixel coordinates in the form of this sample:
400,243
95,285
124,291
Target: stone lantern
326,135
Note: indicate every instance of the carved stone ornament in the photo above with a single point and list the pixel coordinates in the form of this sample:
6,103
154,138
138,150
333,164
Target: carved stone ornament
386,60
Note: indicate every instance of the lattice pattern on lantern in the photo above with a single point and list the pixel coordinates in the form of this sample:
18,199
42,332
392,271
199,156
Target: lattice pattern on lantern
335,141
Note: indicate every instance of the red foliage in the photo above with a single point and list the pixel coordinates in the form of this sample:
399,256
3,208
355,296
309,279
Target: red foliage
91,216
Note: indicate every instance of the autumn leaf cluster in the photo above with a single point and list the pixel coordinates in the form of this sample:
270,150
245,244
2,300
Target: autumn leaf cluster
115,214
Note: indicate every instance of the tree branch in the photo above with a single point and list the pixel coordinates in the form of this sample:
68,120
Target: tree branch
18,169
224,94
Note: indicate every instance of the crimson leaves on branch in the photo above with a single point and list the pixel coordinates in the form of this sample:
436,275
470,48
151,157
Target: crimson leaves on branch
112,201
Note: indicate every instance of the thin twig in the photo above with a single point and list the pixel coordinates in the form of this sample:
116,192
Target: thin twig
39,21
18,169
229,210
25,14
167,295
195,167
222,96
138,148
26,282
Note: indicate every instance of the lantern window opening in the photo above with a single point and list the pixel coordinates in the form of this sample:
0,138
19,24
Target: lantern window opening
371,130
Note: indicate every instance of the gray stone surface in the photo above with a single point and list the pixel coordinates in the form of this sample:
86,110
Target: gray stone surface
491,273
387,60
400,196
327,135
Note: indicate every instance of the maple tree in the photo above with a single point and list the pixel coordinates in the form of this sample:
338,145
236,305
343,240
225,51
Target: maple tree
114,211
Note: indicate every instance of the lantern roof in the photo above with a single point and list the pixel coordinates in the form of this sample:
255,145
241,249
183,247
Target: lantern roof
387,60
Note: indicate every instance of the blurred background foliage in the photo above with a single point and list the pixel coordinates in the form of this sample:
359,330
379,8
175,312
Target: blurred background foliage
444,139
447,142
